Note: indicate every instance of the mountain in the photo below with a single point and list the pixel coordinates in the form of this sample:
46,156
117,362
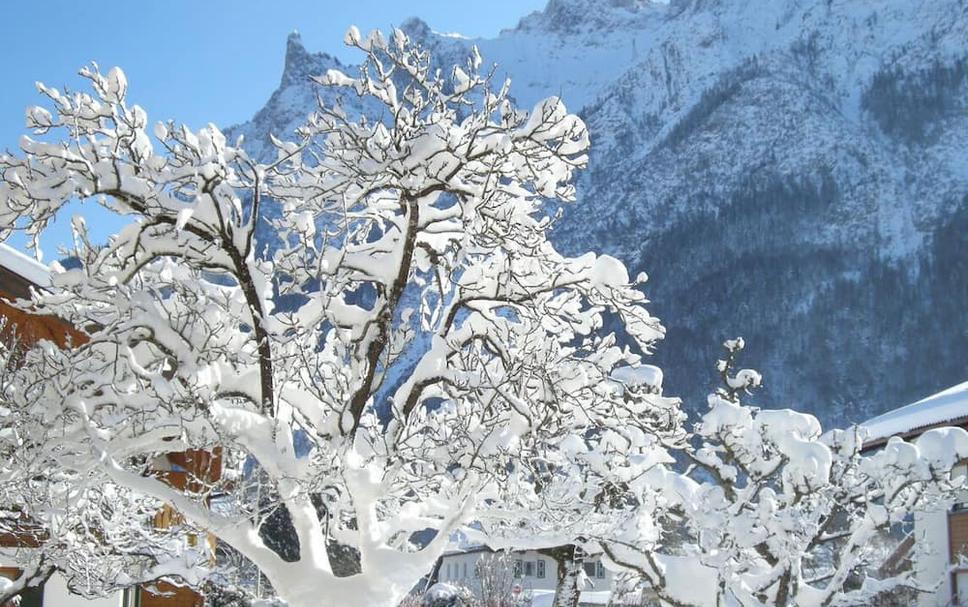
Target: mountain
792,171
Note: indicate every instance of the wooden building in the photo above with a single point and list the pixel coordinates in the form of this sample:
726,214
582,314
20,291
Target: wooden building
938,546
18,275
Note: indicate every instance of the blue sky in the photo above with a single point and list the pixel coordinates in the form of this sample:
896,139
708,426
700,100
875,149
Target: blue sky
196,61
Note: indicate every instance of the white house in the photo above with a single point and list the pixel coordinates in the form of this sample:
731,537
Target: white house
536,574
940,536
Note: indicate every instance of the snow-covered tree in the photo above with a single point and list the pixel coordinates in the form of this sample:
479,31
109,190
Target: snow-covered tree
410,354
772,512
495,574
592,482
65,519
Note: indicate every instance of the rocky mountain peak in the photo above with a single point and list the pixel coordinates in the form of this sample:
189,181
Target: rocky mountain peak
300,64
416,28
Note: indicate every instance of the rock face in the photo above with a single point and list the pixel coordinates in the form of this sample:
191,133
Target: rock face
792,171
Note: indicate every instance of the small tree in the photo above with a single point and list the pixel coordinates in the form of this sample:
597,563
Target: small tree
773,512
495,575
412,354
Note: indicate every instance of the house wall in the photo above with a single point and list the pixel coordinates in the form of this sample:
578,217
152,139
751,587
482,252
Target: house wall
958,552
166,595
940,534
931,556
56,594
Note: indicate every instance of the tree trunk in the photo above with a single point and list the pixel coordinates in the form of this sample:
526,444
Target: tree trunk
783,592
26,585
569,568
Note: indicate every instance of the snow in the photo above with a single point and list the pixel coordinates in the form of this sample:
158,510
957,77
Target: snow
689,580
546,598
945,406
442,591
352,36
643,375
24,266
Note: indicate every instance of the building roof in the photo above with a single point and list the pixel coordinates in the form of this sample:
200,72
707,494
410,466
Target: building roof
946,408
467,550
18,274
24,266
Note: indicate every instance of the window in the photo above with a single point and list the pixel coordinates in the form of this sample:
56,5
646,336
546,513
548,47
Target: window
529,568
595,569
518,568
541,568
448,572
464,575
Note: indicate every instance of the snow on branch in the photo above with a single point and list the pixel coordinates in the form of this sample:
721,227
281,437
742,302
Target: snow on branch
406,351
772,511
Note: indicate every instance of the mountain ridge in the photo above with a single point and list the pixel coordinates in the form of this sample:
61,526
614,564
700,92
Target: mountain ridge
789,171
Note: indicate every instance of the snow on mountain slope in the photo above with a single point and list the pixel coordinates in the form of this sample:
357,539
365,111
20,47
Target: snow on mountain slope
793,171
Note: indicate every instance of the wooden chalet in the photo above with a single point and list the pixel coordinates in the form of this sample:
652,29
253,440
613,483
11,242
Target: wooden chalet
938,547
18,275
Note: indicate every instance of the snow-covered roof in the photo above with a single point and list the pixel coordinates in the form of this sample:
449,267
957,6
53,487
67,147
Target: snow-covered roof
467,550
24,266
948,406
